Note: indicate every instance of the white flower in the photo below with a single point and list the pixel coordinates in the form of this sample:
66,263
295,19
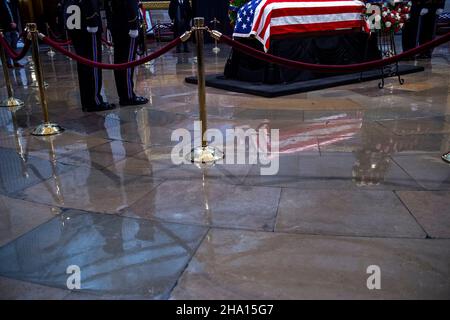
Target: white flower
407,16
401,25
388,24
384,14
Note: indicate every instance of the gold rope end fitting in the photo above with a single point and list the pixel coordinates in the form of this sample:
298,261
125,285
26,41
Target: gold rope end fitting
215,34
185,36
32,27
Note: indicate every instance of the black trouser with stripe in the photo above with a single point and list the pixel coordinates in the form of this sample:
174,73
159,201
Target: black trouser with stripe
124,51
88,45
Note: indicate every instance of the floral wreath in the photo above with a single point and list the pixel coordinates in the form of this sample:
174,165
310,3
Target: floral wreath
394,15
233,9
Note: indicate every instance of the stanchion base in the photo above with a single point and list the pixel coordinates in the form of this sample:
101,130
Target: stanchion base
446,157
216,50
12,103
205,155
47,129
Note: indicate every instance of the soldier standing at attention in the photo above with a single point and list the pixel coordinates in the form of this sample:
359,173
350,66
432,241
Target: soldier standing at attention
124,25
180,12
87,43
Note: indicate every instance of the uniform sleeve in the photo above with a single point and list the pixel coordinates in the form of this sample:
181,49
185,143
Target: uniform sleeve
189,13
172,10
91,10
8,11
133,14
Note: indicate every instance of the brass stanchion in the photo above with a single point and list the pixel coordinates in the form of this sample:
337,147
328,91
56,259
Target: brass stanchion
203,153
47,128
50,52
10,102
216,48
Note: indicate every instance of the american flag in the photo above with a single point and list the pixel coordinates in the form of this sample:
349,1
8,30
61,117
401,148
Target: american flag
265,18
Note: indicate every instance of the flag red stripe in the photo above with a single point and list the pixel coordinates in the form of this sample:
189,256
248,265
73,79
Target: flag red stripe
283,12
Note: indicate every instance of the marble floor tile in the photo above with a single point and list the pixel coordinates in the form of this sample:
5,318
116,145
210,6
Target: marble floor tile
210,203
340,212
157,162
419,126
18,217
11,289
103,155
336,170
90,123
92,190
138,133
259,265
431,209
116,256
19,171
58,146
427,169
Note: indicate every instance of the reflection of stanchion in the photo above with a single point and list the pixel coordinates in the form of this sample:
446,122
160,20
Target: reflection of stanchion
148,64
68,47
52,157
110,40
216,48
203,153
10,101
47,128
19,146
50,52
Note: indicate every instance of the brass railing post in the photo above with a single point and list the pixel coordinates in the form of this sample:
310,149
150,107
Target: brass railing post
10,102
203,153
47,128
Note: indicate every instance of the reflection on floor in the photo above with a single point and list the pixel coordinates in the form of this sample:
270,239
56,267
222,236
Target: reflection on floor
360,183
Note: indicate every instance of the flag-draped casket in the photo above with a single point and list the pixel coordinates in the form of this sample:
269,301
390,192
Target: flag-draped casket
264,19
315,31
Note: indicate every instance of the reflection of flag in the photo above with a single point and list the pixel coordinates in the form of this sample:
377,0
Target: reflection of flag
265,18
329,130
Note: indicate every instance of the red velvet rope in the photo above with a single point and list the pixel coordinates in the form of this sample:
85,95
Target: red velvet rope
57,38
348,68
120,66
11,52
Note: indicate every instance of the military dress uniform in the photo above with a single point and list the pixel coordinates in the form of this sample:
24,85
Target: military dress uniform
411,35
87,43
123,22
9,24
180,12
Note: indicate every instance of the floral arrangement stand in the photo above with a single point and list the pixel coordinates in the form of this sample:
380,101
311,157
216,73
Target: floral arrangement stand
386,44
393,16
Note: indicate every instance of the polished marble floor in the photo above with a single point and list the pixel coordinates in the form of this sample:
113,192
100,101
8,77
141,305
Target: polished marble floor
360,183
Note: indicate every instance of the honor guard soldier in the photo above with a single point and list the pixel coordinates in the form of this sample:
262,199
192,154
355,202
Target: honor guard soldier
87,43
180,12
421,27
124,26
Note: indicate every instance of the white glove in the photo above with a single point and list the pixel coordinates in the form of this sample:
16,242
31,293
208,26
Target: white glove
92,29
133,33
424,11
439,11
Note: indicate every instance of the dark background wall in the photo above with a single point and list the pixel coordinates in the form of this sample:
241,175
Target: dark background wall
213,8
